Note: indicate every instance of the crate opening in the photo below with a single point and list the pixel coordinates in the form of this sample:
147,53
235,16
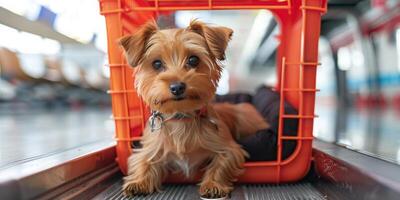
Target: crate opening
252,30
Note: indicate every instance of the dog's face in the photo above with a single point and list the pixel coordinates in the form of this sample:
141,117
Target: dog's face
177,69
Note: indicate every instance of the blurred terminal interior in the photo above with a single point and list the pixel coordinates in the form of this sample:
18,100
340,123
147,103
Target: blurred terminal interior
54,75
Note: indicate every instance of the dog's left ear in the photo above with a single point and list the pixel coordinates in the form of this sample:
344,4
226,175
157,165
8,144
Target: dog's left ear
217,38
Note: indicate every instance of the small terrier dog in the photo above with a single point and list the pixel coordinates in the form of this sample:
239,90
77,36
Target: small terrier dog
177,72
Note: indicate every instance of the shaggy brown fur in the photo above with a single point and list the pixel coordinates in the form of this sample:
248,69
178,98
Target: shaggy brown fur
185,145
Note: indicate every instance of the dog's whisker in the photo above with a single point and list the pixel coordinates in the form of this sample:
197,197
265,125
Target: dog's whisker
202,74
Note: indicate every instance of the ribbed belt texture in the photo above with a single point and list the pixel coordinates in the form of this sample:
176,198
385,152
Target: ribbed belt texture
297,191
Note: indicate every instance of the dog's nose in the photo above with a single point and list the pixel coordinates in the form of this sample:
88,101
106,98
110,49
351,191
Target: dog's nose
177,88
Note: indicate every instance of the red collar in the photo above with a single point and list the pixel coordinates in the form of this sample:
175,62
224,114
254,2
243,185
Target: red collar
203,112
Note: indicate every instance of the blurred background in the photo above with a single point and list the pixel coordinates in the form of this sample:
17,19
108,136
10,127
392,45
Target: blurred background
53,74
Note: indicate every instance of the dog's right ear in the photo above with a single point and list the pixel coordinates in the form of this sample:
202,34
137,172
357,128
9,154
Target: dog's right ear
135,45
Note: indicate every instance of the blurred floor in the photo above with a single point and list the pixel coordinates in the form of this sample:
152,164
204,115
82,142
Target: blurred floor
375,132
37,133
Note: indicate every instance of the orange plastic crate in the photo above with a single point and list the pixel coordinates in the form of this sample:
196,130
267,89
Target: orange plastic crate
297,62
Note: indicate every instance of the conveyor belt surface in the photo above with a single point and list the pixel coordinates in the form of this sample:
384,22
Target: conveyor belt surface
297,191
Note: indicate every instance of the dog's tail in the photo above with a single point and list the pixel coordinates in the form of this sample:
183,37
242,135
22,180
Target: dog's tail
243,119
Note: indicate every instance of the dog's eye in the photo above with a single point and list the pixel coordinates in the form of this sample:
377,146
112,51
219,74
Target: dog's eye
157,65
193,61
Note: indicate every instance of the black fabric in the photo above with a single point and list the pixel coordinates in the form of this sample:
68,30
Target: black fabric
234,98
262,146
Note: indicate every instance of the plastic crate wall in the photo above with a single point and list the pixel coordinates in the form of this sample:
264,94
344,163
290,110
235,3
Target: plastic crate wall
297,60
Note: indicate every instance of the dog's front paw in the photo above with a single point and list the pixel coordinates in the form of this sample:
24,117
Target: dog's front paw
137,188
213,190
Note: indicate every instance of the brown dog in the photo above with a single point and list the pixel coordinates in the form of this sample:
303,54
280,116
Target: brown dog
177,75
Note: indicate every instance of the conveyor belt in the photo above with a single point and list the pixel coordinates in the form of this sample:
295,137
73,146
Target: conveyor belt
91,173
298,191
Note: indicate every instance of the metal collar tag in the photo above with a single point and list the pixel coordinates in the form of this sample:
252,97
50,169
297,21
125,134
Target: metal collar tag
155,121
